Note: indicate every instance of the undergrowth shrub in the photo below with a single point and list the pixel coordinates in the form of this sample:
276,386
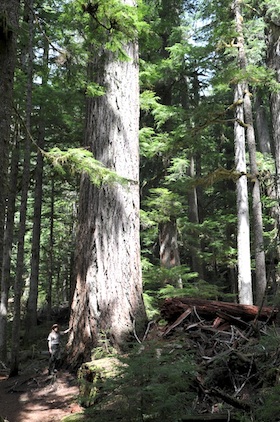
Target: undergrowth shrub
153,383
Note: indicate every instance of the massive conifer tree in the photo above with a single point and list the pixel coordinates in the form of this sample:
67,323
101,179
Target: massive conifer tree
108,295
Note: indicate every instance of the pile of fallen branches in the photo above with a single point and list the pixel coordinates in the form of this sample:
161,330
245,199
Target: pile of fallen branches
234,364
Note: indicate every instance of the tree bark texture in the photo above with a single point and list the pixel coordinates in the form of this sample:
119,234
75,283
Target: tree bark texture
260,286
24,196
250,136
193,213
273,61
107,301
169,252
8,245
9,15
31,311
245,293
262,127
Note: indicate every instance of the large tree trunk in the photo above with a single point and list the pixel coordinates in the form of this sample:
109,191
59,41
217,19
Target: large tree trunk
108,295
9,10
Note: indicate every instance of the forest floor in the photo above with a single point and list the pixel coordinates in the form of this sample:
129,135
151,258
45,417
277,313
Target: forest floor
237,363
34,396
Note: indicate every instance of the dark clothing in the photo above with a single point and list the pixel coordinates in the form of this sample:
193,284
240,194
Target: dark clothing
54,359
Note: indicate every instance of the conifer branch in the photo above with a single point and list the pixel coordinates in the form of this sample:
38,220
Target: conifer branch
78,161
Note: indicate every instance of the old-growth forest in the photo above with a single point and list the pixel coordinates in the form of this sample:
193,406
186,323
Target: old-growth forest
139,206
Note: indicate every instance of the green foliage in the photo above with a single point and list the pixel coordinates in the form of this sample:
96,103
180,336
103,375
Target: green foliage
163,203
153,383
272,9
107,24
79,160
161,283
200,289
95,90
270,409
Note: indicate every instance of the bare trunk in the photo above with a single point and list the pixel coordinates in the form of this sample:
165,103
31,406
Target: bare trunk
23,206
168,247
8,244
9,10
245,293
250,135
263,135
169,254
31,311
108,295
257,204
194,218
273,61
51,254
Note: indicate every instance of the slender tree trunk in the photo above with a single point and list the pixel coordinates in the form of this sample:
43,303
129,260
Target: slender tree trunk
257,204
262,129
245,293
108,295
194,218
9,15
250,135
273,61
31,311
51,253
23,206
168,246
8,244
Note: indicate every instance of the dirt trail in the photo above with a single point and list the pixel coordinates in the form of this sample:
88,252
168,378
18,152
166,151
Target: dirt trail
34,396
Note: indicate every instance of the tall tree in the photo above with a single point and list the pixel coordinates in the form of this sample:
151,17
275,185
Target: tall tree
8,242
250,136
9,16
245,291
108,295
29,18
272,12
31,311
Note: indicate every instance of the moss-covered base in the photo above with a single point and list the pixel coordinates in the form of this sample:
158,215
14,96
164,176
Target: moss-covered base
92,376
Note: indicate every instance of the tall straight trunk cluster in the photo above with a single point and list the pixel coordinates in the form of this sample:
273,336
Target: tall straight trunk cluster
273,62
9,16
18,284
246,123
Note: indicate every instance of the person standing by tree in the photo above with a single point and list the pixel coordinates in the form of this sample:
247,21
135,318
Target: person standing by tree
54,347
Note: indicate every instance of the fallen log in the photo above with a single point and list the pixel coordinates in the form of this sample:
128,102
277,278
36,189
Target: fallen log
172,308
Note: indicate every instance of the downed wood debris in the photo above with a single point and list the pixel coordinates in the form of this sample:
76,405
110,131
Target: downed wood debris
172,308
223,339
